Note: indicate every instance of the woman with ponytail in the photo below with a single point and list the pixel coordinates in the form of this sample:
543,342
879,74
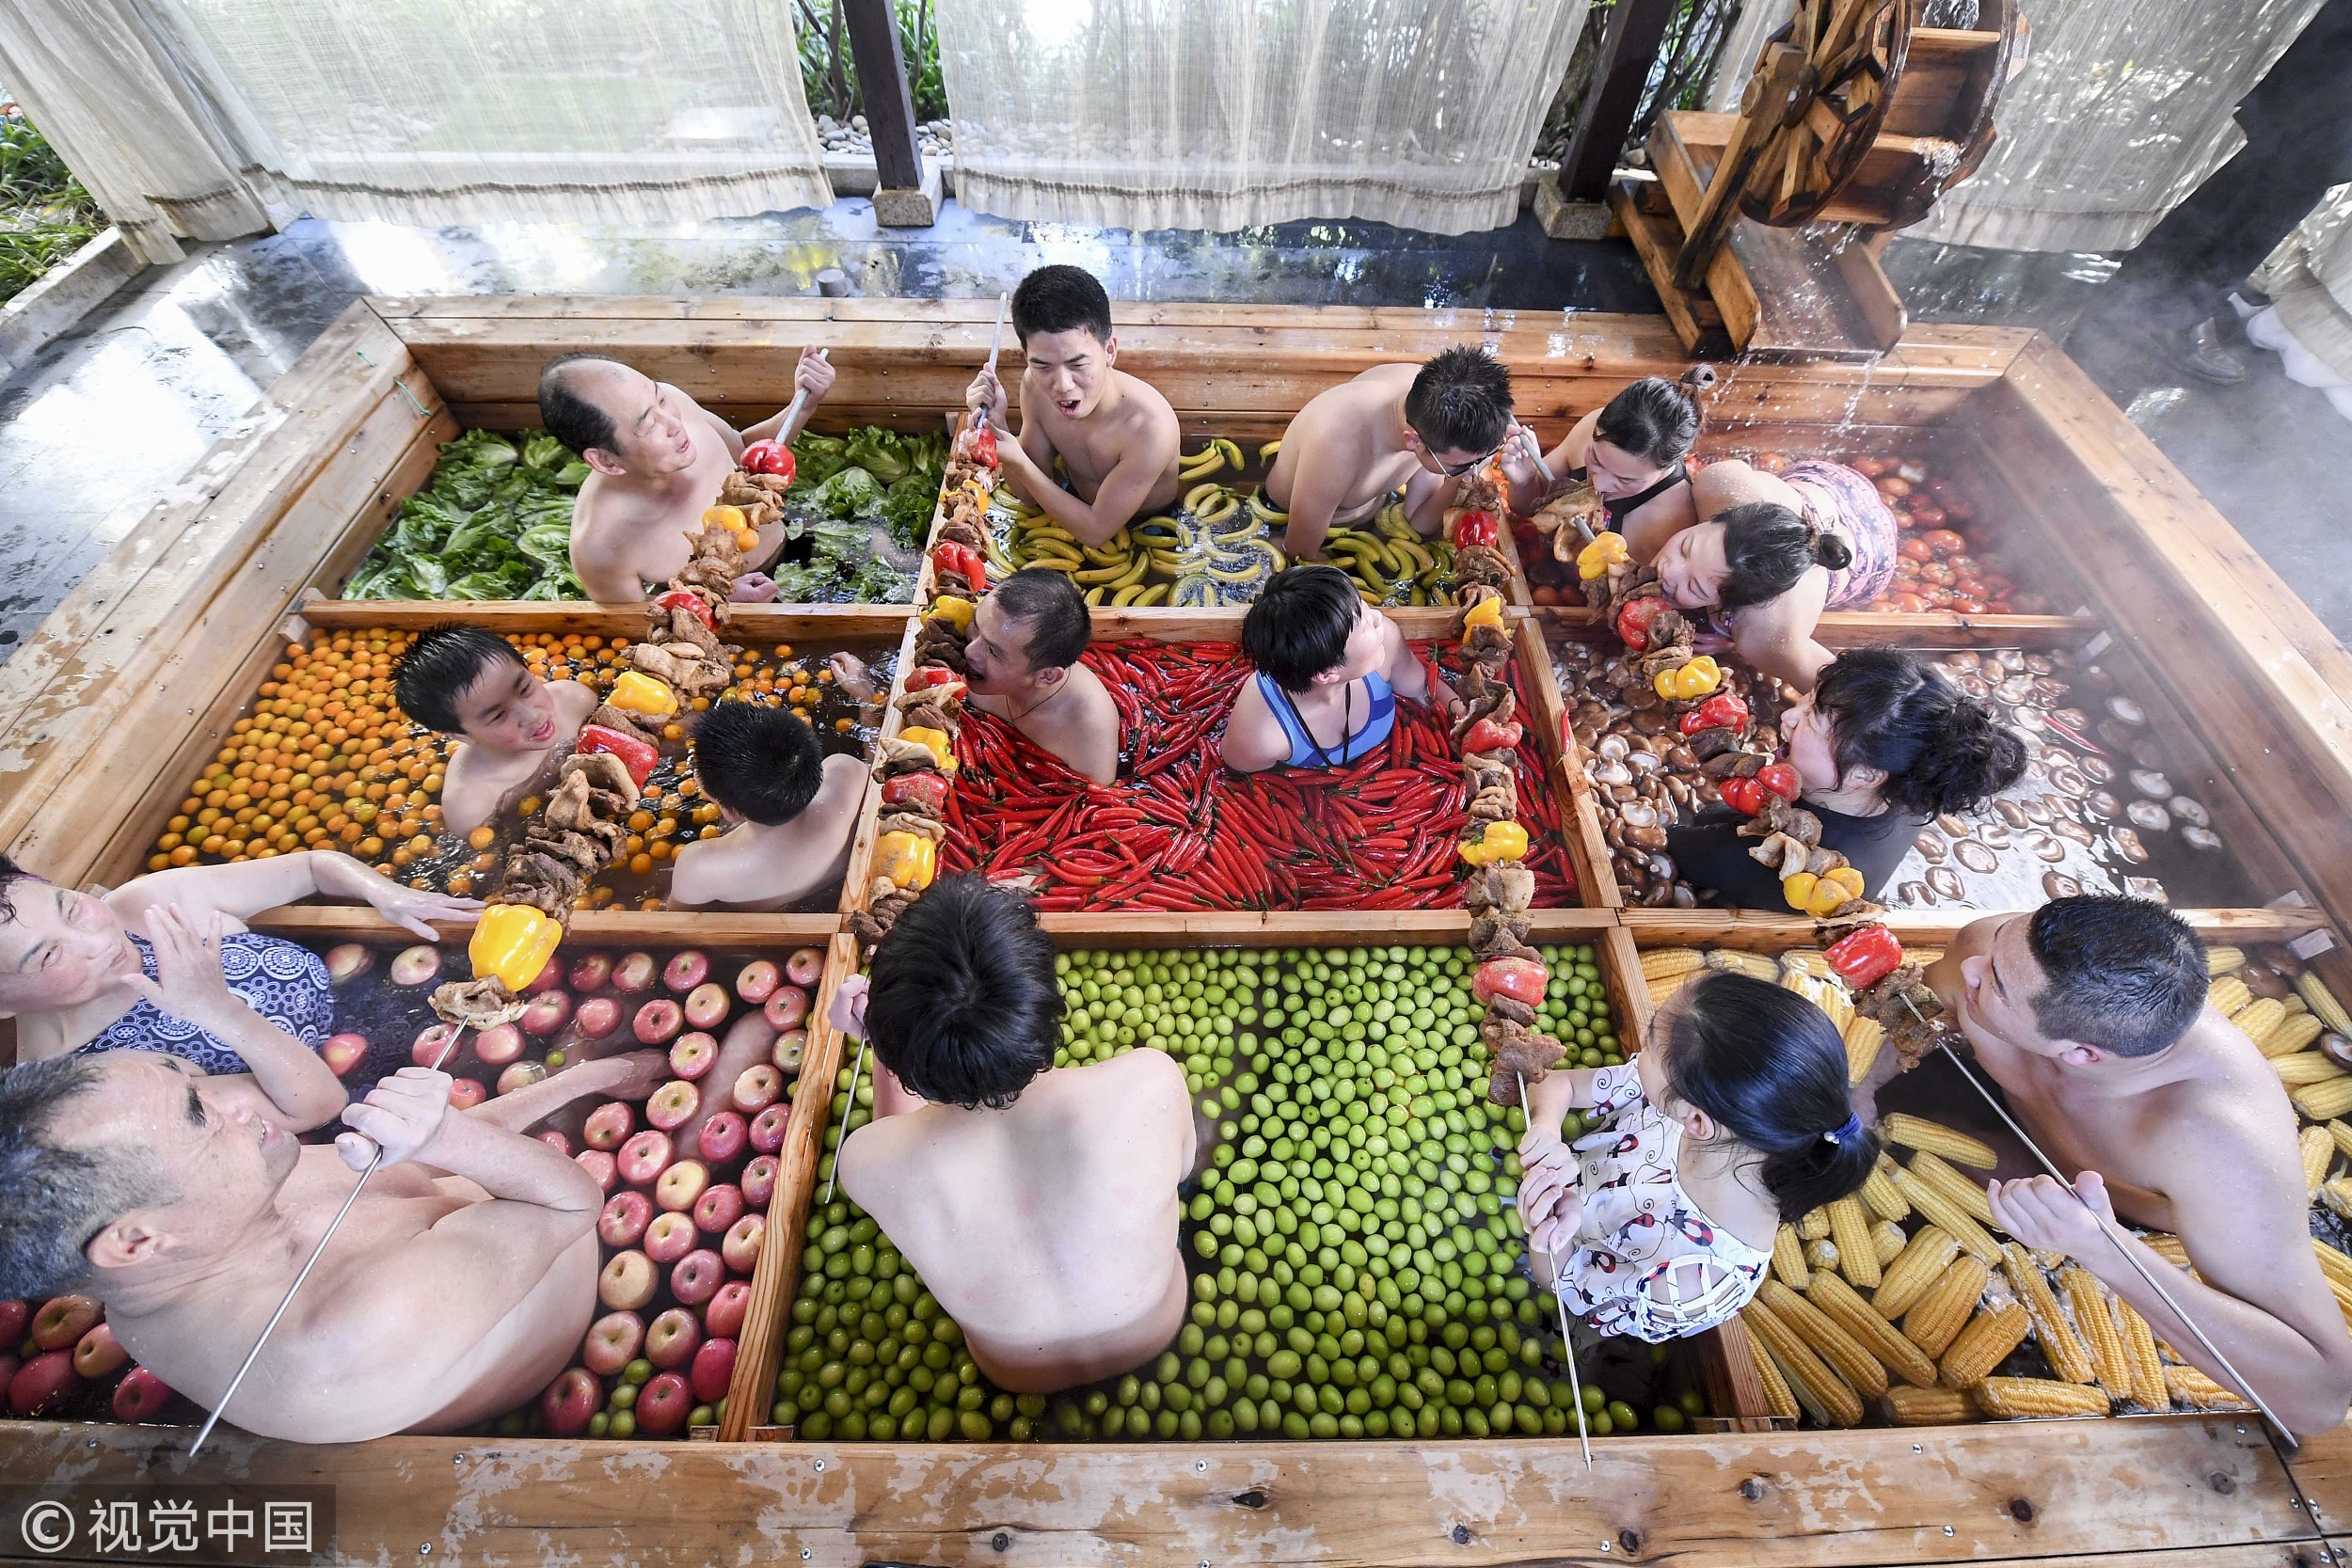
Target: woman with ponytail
1883,743
1659,1221
1630,451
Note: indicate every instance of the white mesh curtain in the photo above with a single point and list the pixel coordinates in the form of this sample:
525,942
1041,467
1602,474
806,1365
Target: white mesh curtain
1222,114
2309,278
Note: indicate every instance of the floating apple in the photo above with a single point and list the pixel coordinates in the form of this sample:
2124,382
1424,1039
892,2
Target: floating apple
720,1207
724,1317
671,1338
544,1018
431,1046
416,966
663,1405
600,1167
759,1180
659,1020
697,1276
681,1186
611,1342
570,1403
14,1314
685,970
520,1075
347,961
140,1396
712,1371
786,1009
598,1019
756,981
787,1053
341,1052
627,1214
670,1237
498,1045
608,1126
466,1093
806,967
768,1127
628,1281
708,1005
43,1383
556,1139
99,1354
634,974
722,1137
757,1088
645,1157
672,1105
692,1055
550,978
63,1320
741,1248
590,972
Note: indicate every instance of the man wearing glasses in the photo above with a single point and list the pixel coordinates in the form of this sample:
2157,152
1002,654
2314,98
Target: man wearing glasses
1395,433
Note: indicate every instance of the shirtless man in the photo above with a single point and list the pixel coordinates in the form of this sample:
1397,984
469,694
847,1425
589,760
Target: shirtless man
791,811
463,680
1395,428
457,1288
1037,1203
2090,1015
659,459
1115,435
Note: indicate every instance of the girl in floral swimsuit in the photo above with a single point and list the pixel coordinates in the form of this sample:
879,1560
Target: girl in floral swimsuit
1659,1223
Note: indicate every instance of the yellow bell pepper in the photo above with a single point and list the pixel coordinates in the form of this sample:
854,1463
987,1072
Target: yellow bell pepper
1834,891
1694,680
1796,888
637,693
938,742
908,861
728,518
1595,560
956,611
512,941
1485,612
1502,841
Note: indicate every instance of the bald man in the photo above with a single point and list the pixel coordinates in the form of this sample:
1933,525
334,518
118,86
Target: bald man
659,458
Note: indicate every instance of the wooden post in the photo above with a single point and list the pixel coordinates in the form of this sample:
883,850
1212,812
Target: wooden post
881,79
1629,52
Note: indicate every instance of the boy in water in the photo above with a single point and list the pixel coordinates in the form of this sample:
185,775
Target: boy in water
1116,435
791,811
463,680
1037,1203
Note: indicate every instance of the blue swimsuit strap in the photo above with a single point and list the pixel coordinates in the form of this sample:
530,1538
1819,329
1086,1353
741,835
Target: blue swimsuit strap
1305,751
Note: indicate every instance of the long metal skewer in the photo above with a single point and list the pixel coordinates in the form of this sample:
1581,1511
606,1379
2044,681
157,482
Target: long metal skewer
1004,303
449,1049
800,396
1567,1340
834,1175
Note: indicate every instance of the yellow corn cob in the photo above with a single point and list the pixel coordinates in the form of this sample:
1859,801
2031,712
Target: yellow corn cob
1813,1224
2259,1017
1864,1035
2224,960
2337,1195
1849,1228
1755,965
1888,1242
2140,1354
2294,1005
1788,1258
2341,1131
1921,1263
1963,1190
1942,1309
1984,1344
2305,1067
1880,1196
1669,962
2323,1003
2335,1264
2319,1152
1838,1302
2166,1246
1907,1406
1777,1398
1838,1404
2191,1388
2296,1032
1822,1253
2087,1301
1806,960
1844,1354
2016,1397
2060,1345
1933,1137
2228,996
1661,988
2324,1101
1938,1208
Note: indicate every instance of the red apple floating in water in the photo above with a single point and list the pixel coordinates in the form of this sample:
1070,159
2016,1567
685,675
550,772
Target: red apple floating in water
521,1076
757,1087
645,1157
63,1320
466,1093
99,1354
550,978
628,1281
787,1053
708,1005
712,1371
140,1396
692,1055
416,966
611,1342
600,1167
658,1021
671,1338
741,1246
685,970
498,1045
432,1044
806,967
719,1207
722,1139
672,1105
670,1237
724,1317
759,1180
786,1009
571,1401
758,981
347,961
625,1216
43,1383
556,1139
598,1018
681,1185
608,1126
14,1316
590,972
341,1052
634,974
663,1405
697,1276
768,1127
544,1018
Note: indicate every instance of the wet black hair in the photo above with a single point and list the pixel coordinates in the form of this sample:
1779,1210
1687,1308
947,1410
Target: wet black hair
1768,1066
59,1199
962,1003
1768,548
1299,625
1656,419
568,416
11,874
1049,605
2123,974
438,668
761,763
1460,401
1061,298
1940,748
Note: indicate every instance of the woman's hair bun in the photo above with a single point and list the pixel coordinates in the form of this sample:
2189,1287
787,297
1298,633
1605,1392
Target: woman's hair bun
1832,551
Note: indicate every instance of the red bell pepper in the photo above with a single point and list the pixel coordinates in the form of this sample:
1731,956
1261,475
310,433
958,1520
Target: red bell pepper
924,676
979,442
1520,979
1488,736
636,756
1722,711
962,559
1780,779
679,599
1634,619
1864,956
768,458
1476,528
926,790
1744,796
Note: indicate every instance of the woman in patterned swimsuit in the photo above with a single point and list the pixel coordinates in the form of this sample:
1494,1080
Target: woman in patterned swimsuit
1773,553
198,985
1660,1221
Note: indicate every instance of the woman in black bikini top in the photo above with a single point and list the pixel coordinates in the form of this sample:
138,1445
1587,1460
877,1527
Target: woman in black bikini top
1631,452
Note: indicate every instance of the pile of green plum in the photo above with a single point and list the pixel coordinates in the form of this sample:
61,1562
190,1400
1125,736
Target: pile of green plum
1359,1268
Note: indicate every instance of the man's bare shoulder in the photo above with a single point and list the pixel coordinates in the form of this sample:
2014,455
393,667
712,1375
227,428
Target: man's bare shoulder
1144,407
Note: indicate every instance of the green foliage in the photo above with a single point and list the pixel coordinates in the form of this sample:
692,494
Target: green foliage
495,523
45,215
829,75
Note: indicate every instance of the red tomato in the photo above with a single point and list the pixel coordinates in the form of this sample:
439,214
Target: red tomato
1545,594
1945,541
1871,467
1968,587
1894,485
1967,604
1910,604
1927,515
1915,548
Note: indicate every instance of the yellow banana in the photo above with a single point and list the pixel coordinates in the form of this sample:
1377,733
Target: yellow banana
1266,453
1232,451
1209,460
1198,497
1263,511
1412,550
1156,593
1055,563
1094,595
1049,530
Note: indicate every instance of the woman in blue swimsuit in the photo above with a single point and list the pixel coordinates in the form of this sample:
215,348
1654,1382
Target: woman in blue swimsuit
197,985
1331,668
